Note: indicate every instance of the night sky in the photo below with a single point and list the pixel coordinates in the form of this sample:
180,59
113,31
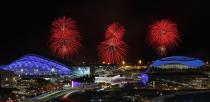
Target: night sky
25,26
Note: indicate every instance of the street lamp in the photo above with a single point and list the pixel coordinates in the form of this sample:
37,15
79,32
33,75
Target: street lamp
123,62
139,61
52,69
14,79
6,79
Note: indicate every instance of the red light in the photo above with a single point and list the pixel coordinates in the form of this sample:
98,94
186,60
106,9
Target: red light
65,38
113,49
163,36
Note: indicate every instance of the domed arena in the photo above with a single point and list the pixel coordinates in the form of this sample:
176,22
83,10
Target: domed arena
178,62
36,65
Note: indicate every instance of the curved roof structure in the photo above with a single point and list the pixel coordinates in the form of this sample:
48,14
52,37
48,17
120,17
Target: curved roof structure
180,60
36,65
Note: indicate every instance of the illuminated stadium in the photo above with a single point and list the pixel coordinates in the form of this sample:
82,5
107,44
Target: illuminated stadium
178,62
36,65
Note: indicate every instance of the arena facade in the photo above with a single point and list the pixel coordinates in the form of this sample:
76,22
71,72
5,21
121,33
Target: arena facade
36,65
178,62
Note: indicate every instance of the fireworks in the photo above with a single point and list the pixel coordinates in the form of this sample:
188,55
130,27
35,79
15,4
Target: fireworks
113,49
115,31
65,38
163,36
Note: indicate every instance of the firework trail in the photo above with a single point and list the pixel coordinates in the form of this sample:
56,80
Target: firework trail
163,36
113,49
115,31
65,38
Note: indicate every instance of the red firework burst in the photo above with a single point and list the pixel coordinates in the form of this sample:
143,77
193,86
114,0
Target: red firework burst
65,24
163,36
115,30
112,51
65,38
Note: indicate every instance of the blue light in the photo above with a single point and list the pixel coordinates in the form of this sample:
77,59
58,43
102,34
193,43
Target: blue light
144,78
36,65
81,71
188,61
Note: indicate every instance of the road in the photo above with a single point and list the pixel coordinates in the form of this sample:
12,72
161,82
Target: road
62,92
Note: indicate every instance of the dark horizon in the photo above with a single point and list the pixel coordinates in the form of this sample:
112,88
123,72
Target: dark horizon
25,27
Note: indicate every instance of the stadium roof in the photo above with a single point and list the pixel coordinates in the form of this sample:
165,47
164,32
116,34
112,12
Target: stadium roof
36,65
188,61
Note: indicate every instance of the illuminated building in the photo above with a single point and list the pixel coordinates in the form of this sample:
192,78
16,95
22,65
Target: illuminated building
81,70
36,65
111,80
99,69
178,62
144,78
130,67
7,77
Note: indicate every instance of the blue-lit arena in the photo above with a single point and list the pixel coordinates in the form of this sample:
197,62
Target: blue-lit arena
178,62
37,65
